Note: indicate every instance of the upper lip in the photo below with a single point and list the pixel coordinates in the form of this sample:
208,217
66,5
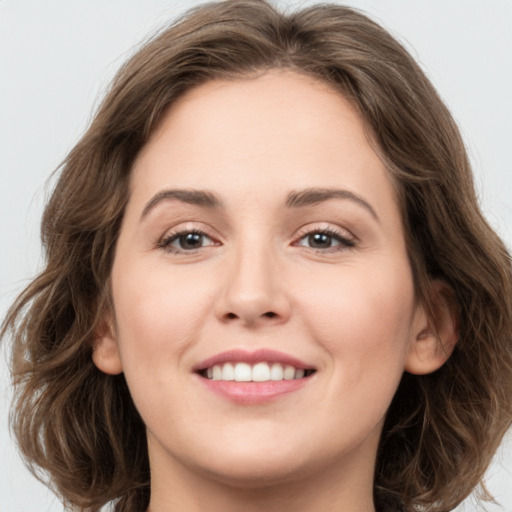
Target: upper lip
252,357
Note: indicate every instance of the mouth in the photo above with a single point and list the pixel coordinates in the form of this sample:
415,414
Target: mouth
262,365
254,377
262,371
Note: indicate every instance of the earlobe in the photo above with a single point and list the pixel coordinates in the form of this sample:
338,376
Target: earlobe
434,339
105,354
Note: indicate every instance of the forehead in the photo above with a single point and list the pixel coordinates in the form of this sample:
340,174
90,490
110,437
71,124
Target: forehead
278,129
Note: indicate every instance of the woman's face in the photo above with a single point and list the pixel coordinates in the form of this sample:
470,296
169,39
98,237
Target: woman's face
262,240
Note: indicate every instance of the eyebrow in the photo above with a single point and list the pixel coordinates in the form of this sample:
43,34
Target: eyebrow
195,197
295,199
311,196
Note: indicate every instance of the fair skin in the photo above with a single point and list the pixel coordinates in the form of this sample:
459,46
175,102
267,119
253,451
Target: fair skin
261,219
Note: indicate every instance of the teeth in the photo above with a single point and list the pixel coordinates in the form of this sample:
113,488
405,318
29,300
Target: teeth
228,372
260,372
276,372
299,373
289,372
217,372
243,372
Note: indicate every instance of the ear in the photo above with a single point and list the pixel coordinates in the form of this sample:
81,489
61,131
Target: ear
105,354
434,338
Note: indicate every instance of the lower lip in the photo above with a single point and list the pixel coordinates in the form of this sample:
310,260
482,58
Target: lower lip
253,392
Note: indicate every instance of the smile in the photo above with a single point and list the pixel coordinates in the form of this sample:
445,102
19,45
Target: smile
254,377
259,372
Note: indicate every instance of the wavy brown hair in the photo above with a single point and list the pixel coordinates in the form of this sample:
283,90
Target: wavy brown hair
78,427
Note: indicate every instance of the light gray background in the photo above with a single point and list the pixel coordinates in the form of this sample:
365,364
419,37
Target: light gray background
57,56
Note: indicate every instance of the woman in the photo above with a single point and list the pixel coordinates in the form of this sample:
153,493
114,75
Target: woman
268,282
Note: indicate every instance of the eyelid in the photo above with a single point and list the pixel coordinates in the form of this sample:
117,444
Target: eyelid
345,237
165,241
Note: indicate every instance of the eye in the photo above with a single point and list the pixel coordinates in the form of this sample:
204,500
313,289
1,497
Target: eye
325,239
186,241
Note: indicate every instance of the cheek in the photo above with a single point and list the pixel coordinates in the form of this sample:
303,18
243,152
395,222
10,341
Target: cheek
363,318
158,313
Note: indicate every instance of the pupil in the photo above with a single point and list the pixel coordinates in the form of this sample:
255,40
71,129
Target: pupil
190,240
320,240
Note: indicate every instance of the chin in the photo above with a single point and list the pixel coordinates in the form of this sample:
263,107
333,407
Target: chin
251,472
251,463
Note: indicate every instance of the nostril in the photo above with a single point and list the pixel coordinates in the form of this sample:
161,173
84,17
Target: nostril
249,318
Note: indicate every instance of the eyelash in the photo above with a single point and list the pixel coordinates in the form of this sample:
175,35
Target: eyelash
165,243
344,241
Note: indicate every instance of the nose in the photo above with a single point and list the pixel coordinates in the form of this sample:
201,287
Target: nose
254,292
